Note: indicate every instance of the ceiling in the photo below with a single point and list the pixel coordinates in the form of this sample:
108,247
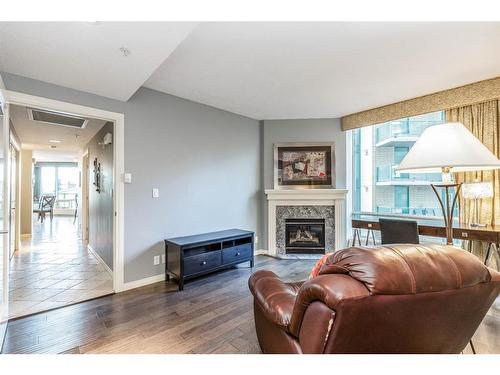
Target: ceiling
86,55
260,70
36,136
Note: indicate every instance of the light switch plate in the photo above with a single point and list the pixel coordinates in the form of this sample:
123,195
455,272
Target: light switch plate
156,260
127,178
156,193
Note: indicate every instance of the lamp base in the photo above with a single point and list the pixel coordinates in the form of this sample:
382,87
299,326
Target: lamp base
447,207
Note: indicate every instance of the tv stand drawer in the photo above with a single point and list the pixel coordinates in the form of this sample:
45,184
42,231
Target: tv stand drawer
235,253
201,263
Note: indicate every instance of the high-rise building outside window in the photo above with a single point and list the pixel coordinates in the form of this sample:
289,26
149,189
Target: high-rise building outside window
377,187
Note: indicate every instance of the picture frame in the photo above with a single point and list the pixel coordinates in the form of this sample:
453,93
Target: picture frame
97,175
309,165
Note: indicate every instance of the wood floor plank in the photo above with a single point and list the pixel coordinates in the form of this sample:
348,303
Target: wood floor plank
213,314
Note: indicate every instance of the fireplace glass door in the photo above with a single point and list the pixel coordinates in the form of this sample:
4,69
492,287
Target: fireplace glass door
305,236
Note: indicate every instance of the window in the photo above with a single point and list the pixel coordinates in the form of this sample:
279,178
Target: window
377,187
59,179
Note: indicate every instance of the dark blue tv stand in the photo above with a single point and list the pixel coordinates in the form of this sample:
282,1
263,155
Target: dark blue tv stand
192,256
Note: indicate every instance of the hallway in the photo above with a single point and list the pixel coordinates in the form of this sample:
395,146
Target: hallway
54,268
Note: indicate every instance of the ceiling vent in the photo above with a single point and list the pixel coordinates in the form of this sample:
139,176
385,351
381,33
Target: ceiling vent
57,118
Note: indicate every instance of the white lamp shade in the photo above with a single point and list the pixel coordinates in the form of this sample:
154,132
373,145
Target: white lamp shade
449,145
477,190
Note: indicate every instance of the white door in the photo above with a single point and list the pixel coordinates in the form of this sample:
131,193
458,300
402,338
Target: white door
4,218
13,205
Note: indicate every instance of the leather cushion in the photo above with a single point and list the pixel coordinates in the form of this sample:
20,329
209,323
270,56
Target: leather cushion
408,269
275,297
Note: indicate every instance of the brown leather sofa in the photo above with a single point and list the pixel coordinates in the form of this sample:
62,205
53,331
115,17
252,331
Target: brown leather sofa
390,299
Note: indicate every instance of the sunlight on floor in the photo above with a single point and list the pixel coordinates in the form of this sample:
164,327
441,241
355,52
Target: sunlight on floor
54,269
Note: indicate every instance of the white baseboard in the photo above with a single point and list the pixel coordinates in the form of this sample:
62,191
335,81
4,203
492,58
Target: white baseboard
103,263
161,277
143,282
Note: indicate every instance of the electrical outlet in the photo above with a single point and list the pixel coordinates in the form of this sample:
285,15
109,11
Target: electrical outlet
156,193
156,260
163,258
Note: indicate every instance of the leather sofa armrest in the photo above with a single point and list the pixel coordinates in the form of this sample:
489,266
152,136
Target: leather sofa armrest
275,297
495,275
330,289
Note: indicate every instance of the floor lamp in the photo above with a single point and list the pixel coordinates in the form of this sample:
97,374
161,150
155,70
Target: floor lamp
448,148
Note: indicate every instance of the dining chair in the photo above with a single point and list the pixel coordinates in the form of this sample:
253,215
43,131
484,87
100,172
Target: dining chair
45,204
398,231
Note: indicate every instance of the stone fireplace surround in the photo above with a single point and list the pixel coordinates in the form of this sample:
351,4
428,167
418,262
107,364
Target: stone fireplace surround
306,203
304,212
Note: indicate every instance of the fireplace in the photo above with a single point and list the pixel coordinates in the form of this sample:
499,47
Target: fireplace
305,236
305,204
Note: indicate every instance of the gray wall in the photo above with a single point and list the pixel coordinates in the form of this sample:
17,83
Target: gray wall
205,162
101,203
281,131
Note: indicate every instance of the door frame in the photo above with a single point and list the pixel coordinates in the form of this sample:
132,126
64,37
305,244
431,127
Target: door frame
4,306
84,195
17,98
16,149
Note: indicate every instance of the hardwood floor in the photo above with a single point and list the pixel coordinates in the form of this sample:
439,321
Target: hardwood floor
212,315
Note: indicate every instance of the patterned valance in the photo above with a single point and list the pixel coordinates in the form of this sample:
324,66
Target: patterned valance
457,97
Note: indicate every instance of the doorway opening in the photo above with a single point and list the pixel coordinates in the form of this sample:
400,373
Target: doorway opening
62,209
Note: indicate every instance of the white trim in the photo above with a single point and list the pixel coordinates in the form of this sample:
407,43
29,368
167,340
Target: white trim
118,159
14,142
307,197
103,263
84,192
19,98
349,178
143,282
161,277
4,237
119,203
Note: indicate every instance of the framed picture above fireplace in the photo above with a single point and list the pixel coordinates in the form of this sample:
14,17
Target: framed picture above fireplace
304,165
